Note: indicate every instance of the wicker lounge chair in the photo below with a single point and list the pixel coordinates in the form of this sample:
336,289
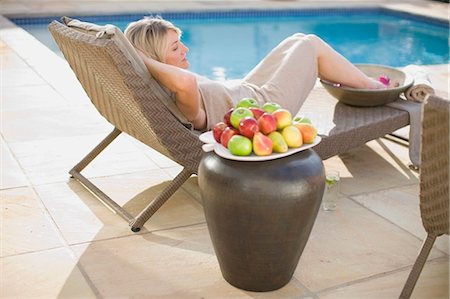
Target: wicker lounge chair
434,181
122,90
343,127
131,101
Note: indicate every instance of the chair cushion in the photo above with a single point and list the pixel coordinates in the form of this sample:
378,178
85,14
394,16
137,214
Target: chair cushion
114,33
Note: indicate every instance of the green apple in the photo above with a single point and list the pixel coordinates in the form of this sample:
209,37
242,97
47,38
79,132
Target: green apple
247,103
238,114
270,107
240,145
302,119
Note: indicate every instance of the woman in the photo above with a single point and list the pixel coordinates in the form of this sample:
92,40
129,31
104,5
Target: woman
285,76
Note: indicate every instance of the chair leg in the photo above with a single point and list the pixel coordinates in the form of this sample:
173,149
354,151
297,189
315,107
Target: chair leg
76,173
96,151
138,222
417,267
151,209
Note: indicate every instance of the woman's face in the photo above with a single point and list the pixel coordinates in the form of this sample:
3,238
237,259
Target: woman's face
176,51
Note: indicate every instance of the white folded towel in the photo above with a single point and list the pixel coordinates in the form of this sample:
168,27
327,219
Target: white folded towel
415,126
422,84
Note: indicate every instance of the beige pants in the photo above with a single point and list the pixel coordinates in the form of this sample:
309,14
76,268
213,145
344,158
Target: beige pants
285,76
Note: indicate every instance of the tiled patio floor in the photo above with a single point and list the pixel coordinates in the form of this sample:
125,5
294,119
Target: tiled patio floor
58,241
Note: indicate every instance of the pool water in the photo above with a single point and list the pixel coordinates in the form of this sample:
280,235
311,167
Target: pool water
226,45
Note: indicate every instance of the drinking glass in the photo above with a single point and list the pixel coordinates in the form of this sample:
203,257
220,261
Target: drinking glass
330,196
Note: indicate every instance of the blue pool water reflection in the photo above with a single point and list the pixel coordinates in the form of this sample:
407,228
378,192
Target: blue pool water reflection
227,45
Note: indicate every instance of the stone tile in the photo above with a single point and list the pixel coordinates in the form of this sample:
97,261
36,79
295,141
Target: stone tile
177,263
25,225
46,64
191,186
30,97
10,60
12,175
48,161
26,46
80,217
59,76
20,77
51,122
378,165
353,243
173,171
161,160
46,274
401,207
433,283
135,191
11,32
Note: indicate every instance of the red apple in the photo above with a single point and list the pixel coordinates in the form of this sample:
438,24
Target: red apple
248,127
262,145
239,114
257,112
227,134
267,123
218,130
227,116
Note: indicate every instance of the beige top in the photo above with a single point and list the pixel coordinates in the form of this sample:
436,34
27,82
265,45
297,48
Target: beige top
218,97
285,76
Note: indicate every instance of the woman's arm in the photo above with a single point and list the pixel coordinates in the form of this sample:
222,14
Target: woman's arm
184,84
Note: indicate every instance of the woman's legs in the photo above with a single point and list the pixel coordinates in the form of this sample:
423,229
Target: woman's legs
334,67
287,74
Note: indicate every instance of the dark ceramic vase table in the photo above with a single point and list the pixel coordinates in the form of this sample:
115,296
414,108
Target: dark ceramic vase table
260,215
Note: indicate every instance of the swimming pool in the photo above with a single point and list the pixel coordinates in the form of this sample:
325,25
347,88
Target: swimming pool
227,44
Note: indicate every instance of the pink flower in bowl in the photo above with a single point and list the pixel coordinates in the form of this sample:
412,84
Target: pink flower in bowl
384,79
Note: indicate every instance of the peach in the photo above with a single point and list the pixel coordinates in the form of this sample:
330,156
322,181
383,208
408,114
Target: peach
283,118
309,132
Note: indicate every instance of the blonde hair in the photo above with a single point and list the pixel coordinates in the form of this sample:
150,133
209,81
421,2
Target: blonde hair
150,36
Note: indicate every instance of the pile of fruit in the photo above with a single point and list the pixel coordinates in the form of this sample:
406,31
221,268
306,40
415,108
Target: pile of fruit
250,128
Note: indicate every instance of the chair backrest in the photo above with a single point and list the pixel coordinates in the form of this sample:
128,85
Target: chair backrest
434,169
126,95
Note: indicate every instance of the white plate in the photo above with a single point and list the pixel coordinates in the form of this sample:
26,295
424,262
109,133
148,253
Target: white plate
220,150
207,137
